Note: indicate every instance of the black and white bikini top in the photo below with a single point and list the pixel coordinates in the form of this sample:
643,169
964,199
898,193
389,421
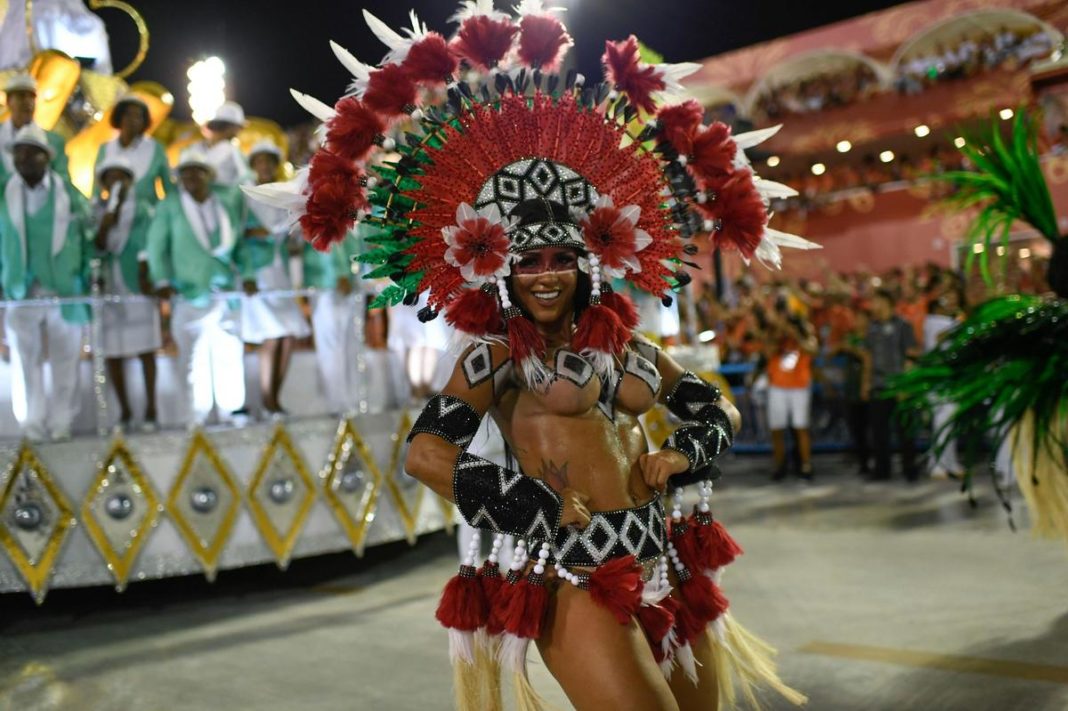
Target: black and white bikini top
576,388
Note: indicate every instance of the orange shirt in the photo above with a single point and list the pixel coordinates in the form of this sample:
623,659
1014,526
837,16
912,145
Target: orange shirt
915,313
790,367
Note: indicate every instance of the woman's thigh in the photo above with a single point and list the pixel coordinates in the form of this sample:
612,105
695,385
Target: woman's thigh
600,663
704,696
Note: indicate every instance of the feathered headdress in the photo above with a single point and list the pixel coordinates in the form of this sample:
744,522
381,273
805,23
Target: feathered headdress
625,180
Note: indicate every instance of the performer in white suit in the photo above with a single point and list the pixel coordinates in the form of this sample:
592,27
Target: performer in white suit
221,149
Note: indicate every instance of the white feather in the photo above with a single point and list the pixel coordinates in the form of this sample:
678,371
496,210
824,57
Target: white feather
512,653
772,190
383,31
360,72
477,8
673,74
461,647
653,594
536,7
785,239
686,660
313,106
398,45
288,195
755,138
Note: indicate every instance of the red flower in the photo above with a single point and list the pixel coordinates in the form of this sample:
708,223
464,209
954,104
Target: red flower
478,243
611,233
623,68
713,152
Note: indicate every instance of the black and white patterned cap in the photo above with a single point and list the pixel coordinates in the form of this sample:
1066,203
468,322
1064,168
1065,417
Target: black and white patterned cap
564,192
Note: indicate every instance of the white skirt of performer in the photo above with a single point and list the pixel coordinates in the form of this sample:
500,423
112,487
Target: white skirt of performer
131,328
266,317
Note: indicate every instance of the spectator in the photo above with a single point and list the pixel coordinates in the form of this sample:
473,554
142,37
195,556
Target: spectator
791,346
891,342
945,312
221,149
857,388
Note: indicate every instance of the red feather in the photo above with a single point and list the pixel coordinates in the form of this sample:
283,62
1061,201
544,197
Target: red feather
713,152
429,60
526,609
524,340
334,196
600,329
482,41
617,587
741,211
715,547
703,598
390,90
543,41
623,307
688,626
623,68
463,606
475,312
657,620
679,123
351,133
686,546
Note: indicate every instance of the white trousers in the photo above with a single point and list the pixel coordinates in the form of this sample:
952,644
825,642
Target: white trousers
948,461
789,407
334,326
29,329
210,363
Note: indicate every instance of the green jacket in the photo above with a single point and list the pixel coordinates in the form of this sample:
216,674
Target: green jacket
145,186
130,257
59,161
176,255
70,251
323,269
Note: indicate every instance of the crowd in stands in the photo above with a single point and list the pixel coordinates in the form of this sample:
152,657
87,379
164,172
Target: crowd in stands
817,93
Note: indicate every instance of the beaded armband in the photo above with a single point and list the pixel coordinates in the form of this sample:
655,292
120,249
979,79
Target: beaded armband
448,417
492,497
705,432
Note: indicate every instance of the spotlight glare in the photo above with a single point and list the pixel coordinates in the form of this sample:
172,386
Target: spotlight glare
922,131
706,336
886,156
978,248
1025,253
844,146
818,169
1005,114
959,141
773,161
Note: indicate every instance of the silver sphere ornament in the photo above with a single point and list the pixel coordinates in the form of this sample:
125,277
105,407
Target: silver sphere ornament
281,490
204,499
29,517
119,506
352,481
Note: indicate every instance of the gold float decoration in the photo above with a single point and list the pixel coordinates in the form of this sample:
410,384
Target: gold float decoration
280,495
204,502
120,510
657,427
57,77
35,520
142,32
349,491
407,492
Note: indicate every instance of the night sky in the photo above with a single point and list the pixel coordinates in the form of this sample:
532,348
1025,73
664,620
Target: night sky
270,45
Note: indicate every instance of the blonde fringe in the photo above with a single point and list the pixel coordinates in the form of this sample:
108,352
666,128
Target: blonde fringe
488,670
745,662
1042,479
526,699
467,694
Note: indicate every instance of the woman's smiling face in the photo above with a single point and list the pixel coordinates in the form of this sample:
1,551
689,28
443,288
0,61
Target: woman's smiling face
544,283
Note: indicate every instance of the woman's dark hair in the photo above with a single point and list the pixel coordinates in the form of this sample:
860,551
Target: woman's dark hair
122,107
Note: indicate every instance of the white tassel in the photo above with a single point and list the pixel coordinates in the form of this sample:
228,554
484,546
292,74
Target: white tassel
313,106
686,660
512,654
461,646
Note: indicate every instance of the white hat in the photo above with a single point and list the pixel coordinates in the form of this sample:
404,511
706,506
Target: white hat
20,81
116,162
194,157
229,112
32,135
266,146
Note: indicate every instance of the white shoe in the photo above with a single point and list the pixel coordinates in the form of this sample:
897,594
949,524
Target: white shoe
939,473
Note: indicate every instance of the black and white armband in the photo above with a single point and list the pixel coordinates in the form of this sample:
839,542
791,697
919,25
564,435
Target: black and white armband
448,417
490,496
705,432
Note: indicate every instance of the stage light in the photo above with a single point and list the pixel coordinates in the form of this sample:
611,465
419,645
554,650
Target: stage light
959,141
1005,114
844,146
1001,250
886,156
207,88
818,169
773,161
1025,253
922,131
706,336
978,248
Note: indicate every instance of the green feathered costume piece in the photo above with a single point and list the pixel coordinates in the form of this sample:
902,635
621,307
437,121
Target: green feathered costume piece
1006,366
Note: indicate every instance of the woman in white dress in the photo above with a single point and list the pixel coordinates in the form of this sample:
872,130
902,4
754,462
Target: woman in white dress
945,313
272,322
129,329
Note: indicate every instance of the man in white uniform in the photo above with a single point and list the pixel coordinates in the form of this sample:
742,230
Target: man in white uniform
221,149
20,91
43,253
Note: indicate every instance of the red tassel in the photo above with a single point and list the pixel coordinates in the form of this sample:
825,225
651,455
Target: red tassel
686,546
483,41
600,329
463,606
657,621
429,60
498,604
390,91
741,212
623,307
714,547
687,626
622,67
703,598
617,587
527,605
543,40
489,577
713,152
679,123
334,196
475,312
524,339
351,133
